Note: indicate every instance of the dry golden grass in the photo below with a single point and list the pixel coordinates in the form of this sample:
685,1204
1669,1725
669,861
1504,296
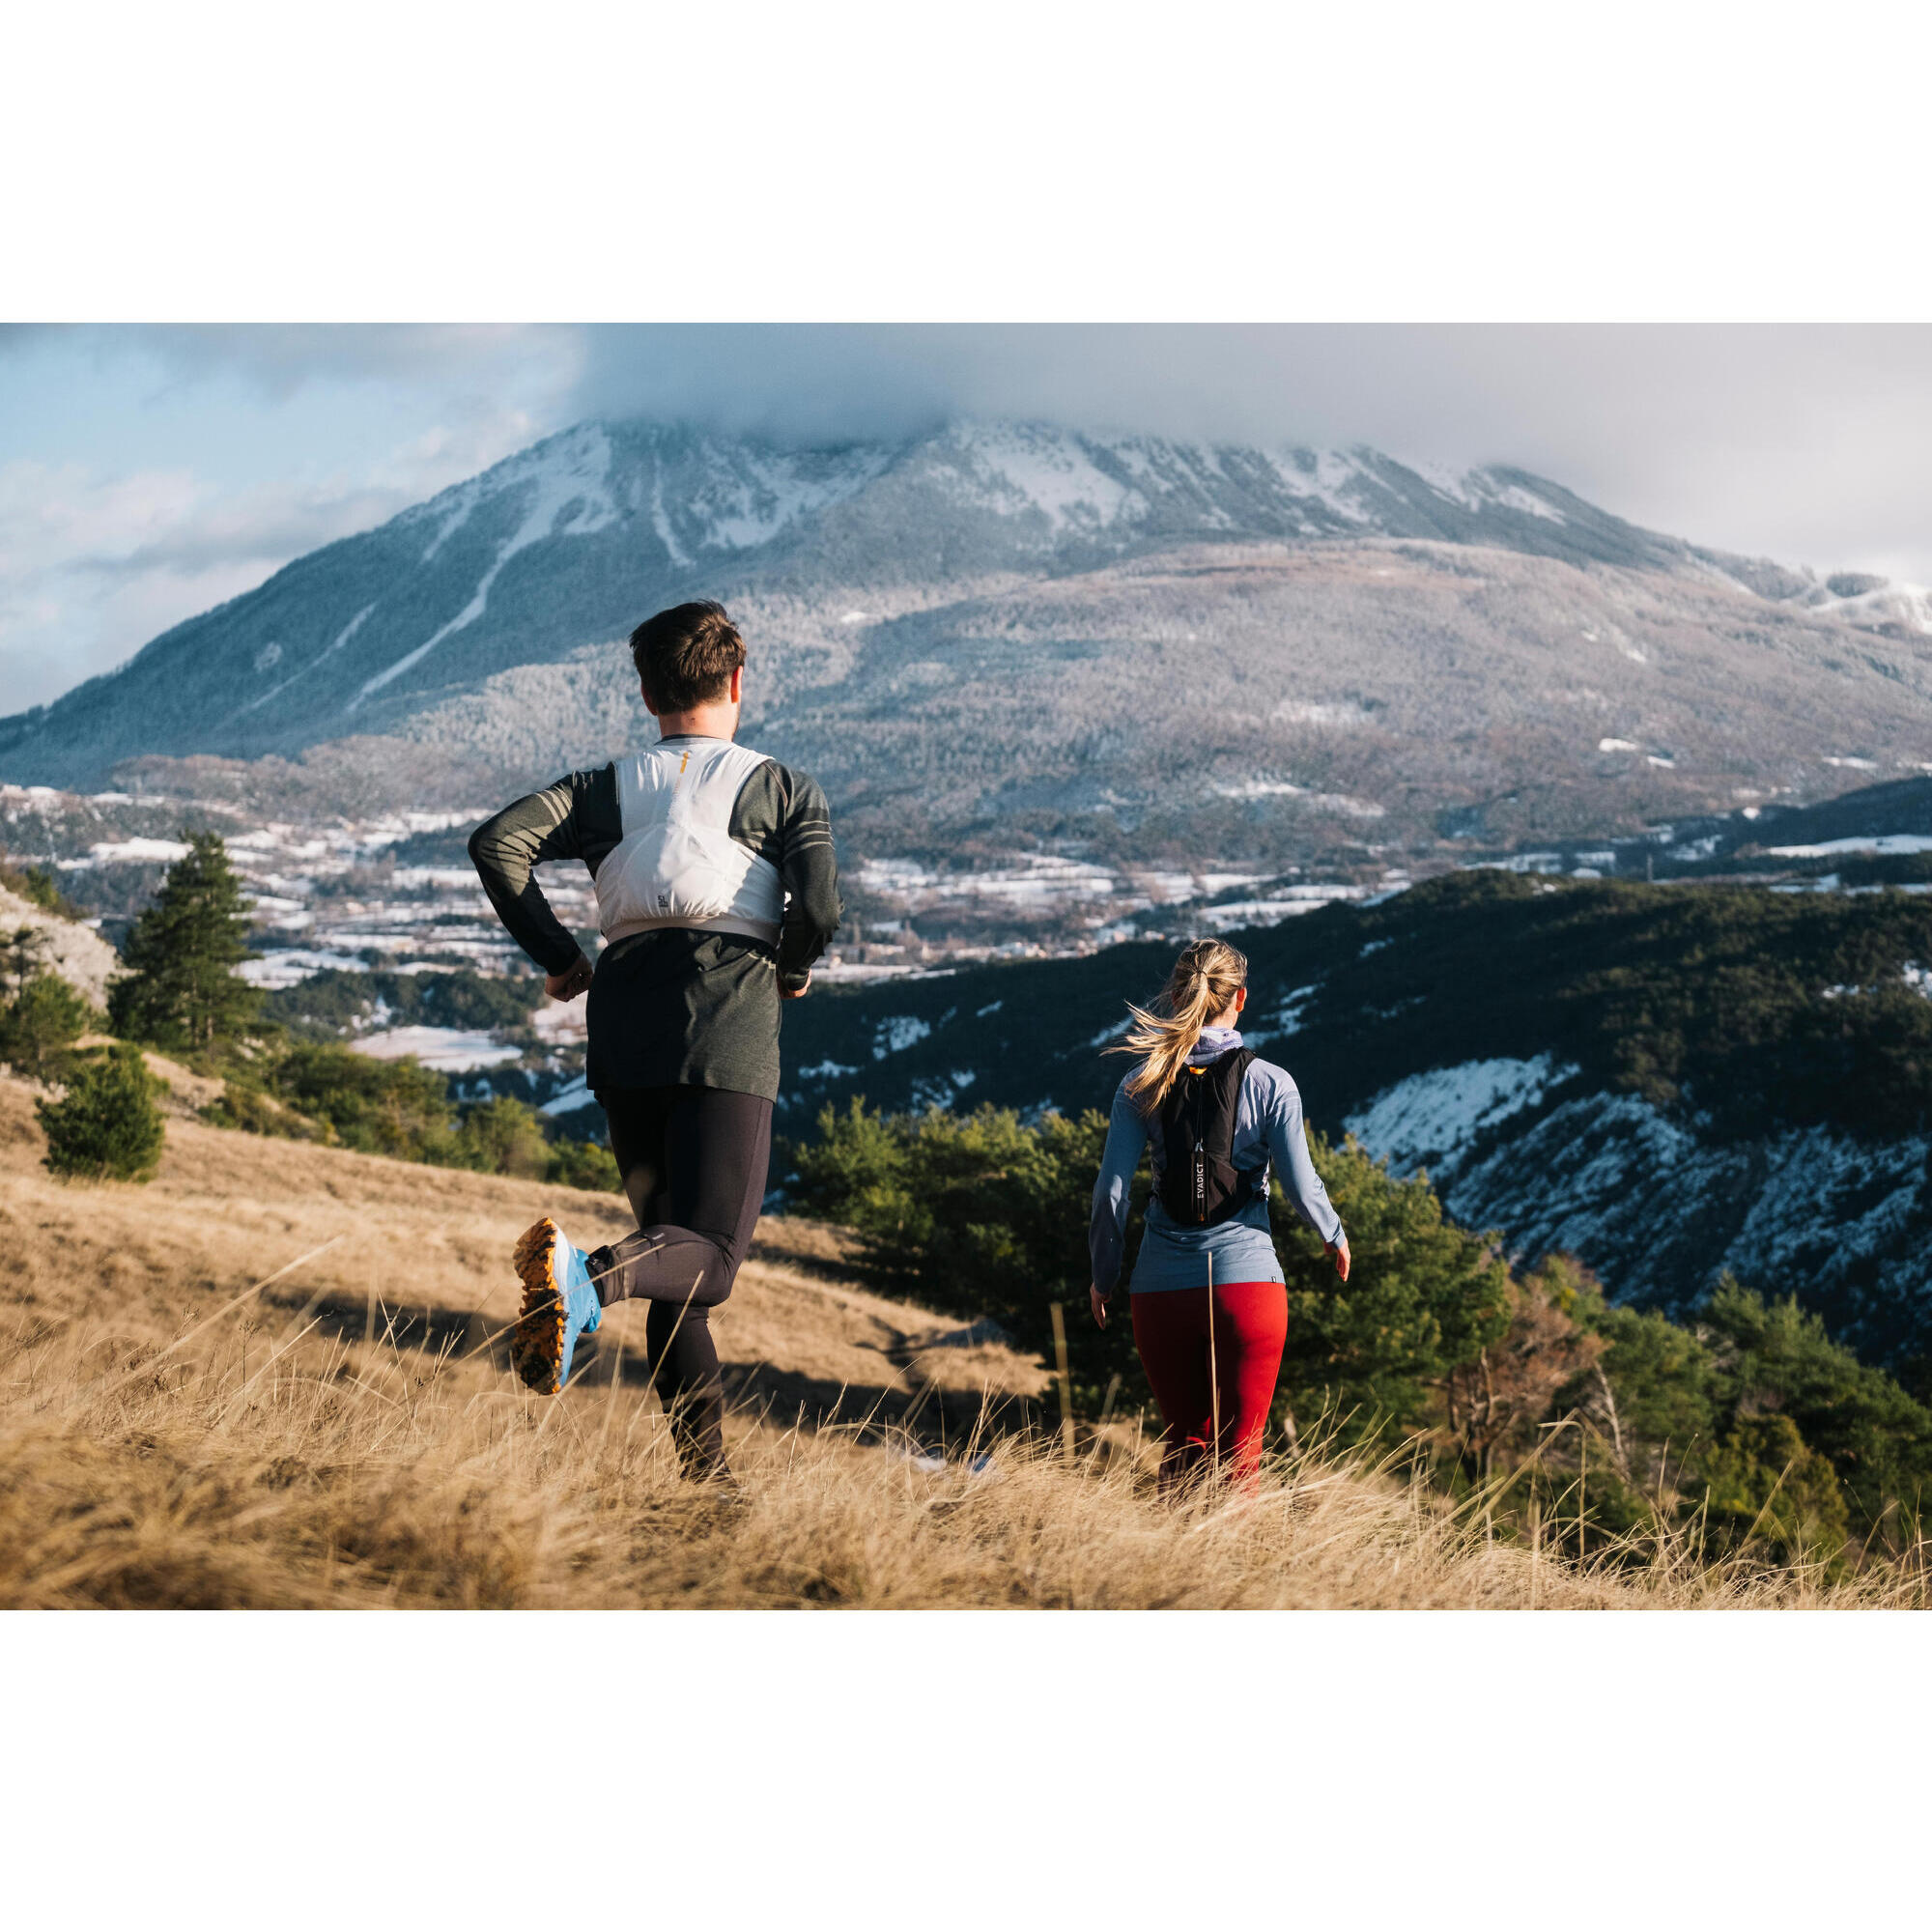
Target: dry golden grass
349,1436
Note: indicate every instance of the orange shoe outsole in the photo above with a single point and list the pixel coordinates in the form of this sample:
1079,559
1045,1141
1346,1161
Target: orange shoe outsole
537,1343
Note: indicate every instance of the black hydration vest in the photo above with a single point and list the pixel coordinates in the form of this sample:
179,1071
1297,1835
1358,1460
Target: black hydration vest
1200,1183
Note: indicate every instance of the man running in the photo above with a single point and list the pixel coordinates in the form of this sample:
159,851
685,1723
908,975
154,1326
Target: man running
717,888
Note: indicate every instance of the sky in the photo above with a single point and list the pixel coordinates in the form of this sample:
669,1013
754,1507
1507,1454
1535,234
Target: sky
149,473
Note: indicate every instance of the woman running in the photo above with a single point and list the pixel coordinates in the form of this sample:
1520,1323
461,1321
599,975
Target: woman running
1217,1120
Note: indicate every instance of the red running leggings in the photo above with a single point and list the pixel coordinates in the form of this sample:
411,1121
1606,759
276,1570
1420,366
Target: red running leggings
1250,1331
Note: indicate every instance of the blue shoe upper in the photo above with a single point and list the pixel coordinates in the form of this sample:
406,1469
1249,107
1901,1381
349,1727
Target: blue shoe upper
582,1312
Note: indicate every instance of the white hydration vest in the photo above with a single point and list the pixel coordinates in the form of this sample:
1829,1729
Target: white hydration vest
677,863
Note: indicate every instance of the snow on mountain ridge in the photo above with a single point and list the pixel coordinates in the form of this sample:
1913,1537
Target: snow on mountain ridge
563,546
1024,465
1905,603
1093,483
771,492
1431,1119
576,462
1650,1205
568,473
1324,480
740,496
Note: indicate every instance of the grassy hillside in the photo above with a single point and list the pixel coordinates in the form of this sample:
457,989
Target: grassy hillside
347,1433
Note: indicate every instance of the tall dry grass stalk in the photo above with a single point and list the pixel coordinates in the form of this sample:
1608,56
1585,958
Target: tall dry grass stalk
172,1435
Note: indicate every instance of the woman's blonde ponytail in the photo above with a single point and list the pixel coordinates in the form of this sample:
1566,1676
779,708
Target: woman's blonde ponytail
1204,982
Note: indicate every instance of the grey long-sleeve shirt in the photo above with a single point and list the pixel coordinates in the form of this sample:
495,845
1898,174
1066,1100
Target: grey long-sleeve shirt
674,1006
1267,1133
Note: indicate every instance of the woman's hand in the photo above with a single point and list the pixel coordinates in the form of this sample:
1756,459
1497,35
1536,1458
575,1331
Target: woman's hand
574,980
1338,1253
1097,1302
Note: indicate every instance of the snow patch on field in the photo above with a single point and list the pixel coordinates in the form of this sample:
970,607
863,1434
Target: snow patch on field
1431,1118
826,1069
1694,849
442,1049
1287,1019
561,1022
1320,717
127,851
1520,861
1317,800
1830,848
1259,788
897,1032
569,1100
290,967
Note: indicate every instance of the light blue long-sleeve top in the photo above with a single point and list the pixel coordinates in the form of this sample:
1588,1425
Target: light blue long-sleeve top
1268,1135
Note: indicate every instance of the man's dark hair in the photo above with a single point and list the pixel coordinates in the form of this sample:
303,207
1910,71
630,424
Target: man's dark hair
685,655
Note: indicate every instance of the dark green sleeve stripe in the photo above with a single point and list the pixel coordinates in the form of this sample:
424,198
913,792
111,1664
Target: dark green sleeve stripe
574,818
808,863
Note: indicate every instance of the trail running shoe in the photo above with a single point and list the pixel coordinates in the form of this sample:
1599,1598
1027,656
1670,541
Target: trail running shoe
560,1304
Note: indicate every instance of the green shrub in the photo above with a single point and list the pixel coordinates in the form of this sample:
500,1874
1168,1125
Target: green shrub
584,1164
1422,1296
330,1004
1775,1355
979,1214
1766,1488
247,1108
107,1127
38,886
23,954
1661,1376
1752,1421
46,1017
985,1215
499,1136
377,1106
316,1091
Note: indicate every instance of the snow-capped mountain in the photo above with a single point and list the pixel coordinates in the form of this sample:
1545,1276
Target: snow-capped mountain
1019,633
570,542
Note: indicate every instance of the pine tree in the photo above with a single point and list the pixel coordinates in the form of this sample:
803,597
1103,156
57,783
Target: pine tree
43,1021
21,952
181,990
107,1126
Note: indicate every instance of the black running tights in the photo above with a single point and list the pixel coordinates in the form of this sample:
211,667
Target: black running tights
693,1161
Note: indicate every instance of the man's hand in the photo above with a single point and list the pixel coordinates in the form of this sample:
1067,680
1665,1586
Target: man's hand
571,983
1338,1253
1097,1302
790,993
